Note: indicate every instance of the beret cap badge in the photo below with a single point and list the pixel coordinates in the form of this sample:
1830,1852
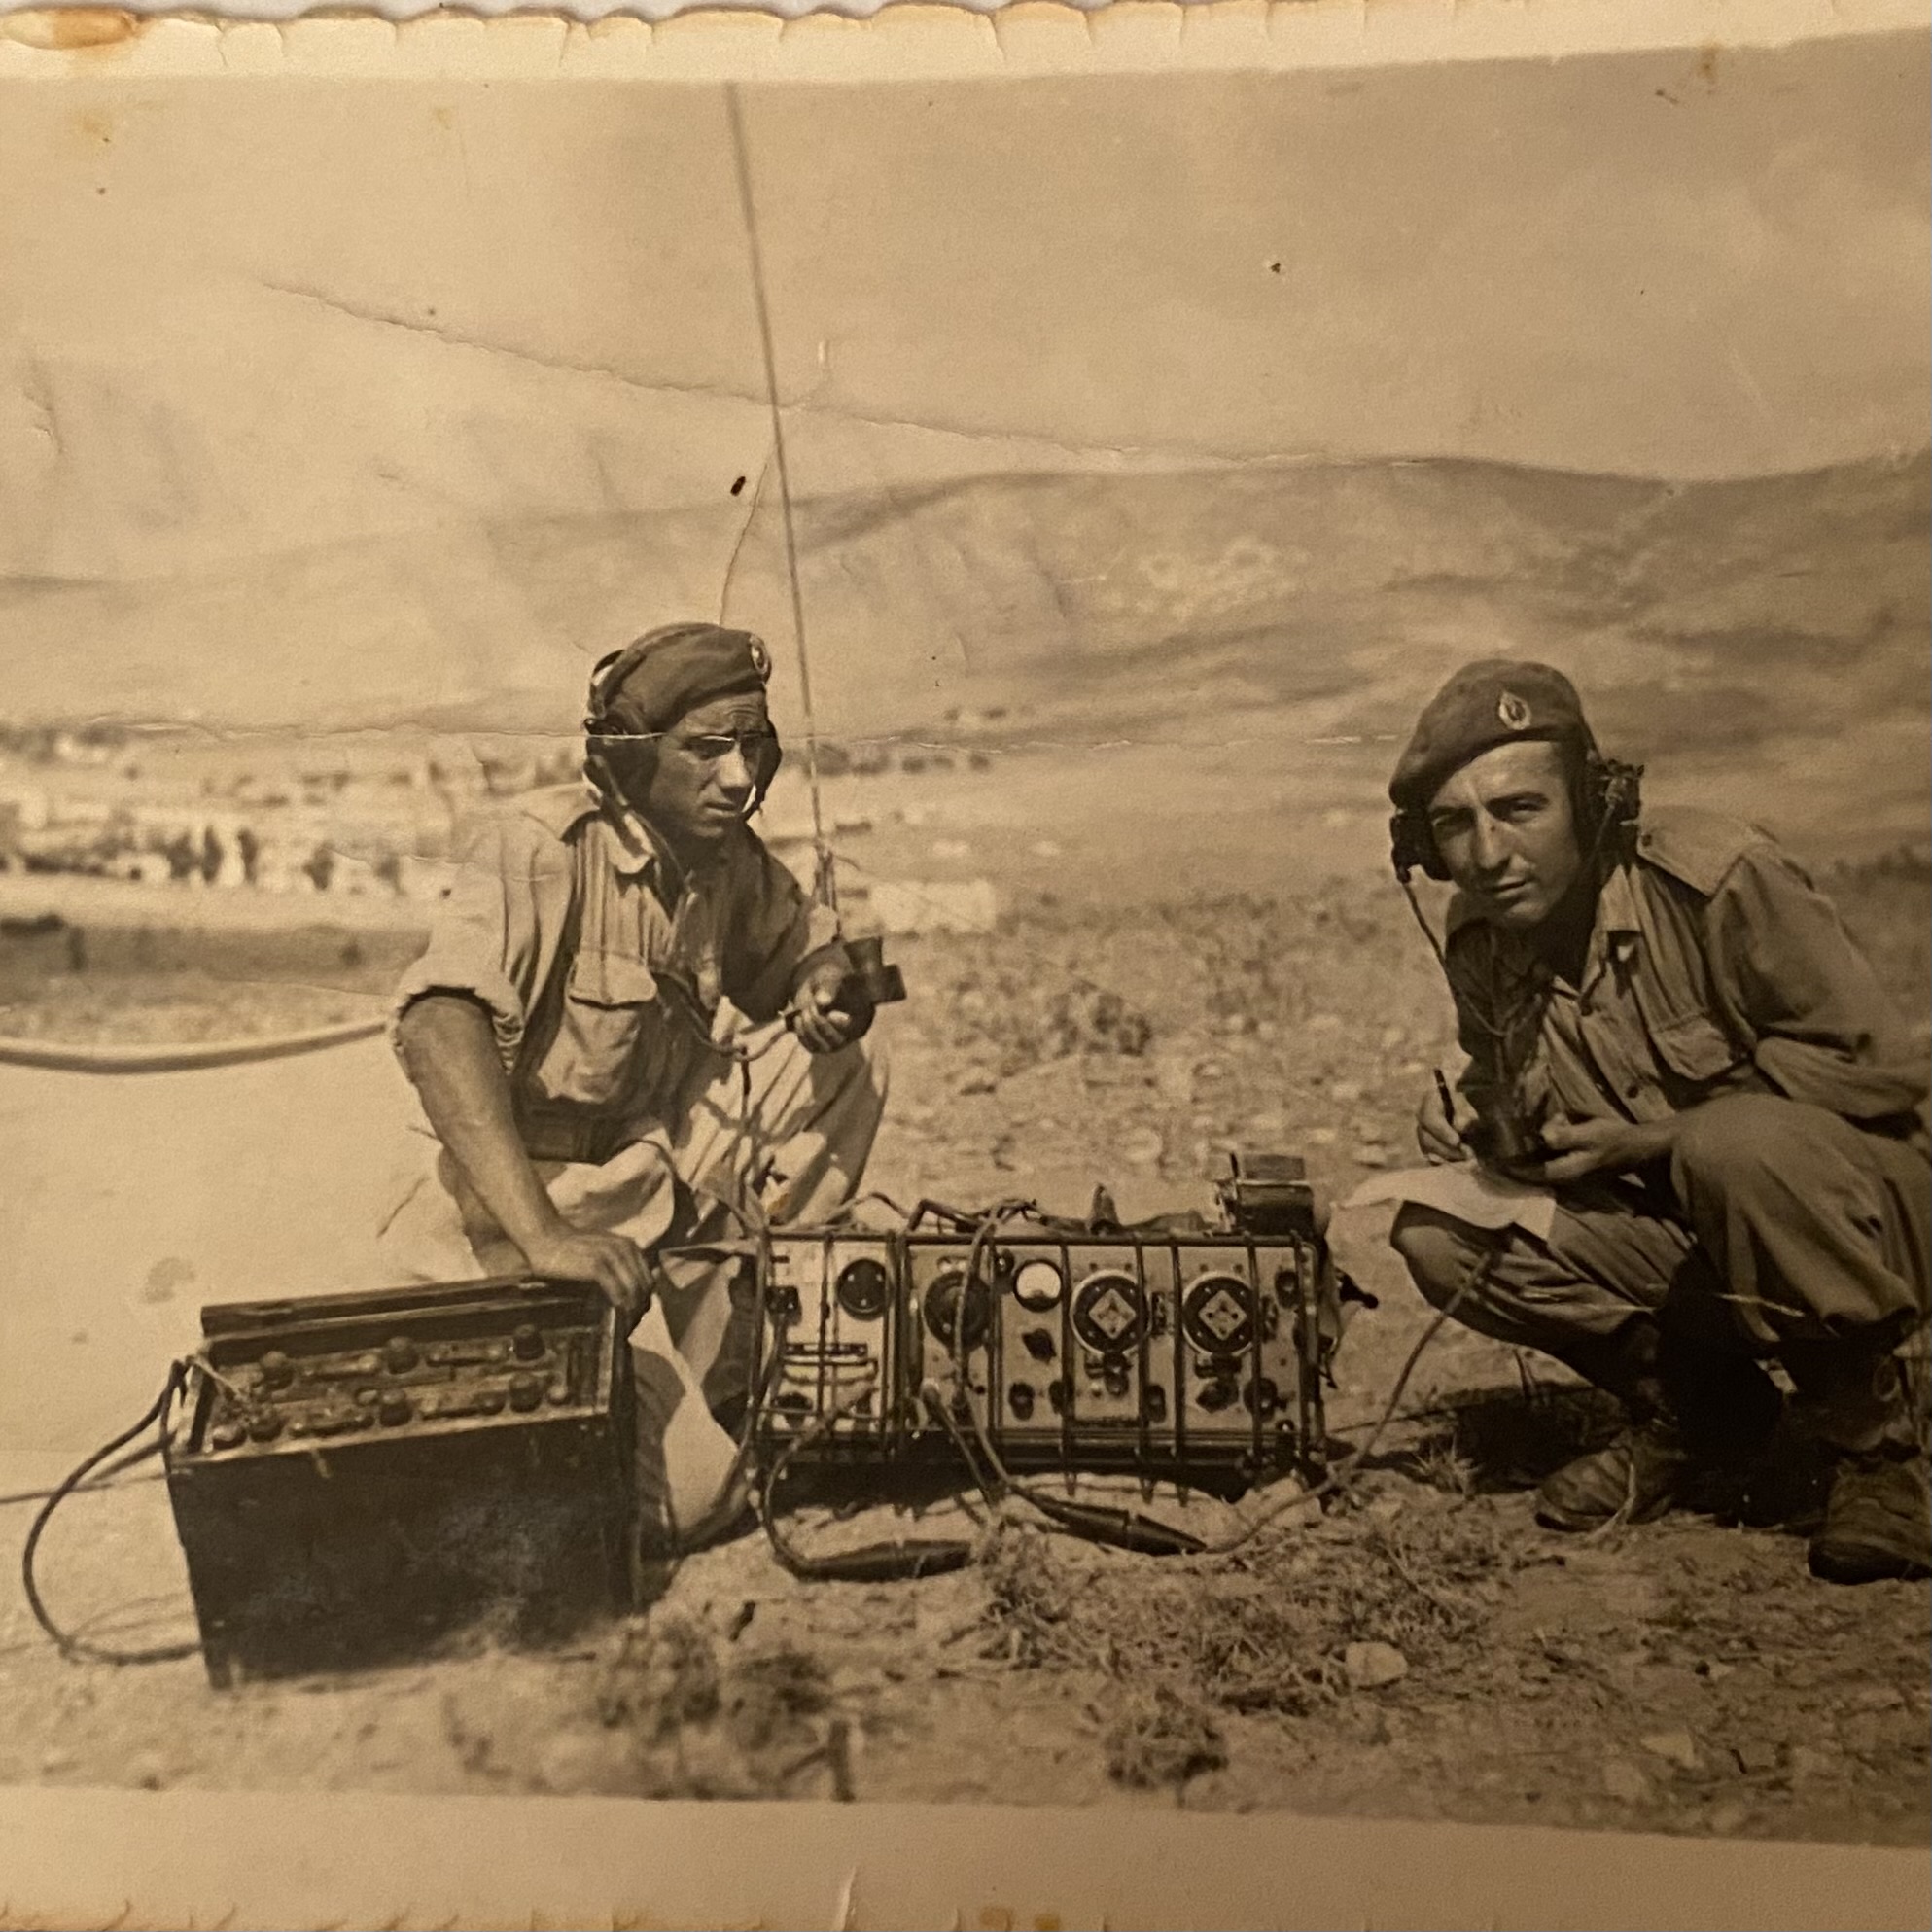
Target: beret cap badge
1513,711
760,657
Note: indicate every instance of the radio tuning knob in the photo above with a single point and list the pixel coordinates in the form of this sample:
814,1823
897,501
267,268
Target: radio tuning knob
394,1409
525,1391
275,1369
527,1343
264,1425
399,1354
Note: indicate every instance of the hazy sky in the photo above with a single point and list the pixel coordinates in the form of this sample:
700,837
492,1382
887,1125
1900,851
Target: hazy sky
240,317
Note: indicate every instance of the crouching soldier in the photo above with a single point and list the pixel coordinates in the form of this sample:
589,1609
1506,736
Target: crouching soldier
560,1031
1667,1025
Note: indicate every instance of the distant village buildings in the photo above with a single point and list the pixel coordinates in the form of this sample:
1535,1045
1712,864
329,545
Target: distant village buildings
88,802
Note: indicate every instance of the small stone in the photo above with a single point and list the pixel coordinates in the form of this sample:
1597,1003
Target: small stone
149,1769
1346,1093
1807,1764
53,1763
1625,1782
1714,1673
1143,1147
1371,1153
1877,1696
1675,1748
978,1083
1320,1137
1756,1757
1324,1023
1728,1818
1372,1666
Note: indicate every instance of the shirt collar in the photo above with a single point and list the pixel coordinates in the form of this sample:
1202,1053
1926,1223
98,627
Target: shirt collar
633,845
1615,931
636,850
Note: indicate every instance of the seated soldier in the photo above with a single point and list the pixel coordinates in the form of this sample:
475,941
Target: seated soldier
559,1029
1666,1024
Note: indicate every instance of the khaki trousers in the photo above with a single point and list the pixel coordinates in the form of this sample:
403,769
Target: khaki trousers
1778,1227
795,1138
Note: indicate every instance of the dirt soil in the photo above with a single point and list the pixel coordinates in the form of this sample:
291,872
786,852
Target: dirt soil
1419,1649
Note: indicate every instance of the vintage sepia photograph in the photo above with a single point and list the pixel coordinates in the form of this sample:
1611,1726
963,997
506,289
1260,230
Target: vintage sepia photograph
1027,941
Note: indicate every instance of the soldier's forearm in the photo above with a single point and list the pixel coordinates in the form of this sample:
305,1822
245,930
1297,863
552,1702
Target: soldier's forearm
448,1050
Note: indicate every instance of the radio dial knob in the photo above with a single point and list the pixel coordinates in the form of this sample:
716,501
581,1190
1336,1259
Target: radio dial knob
526,1393
527,1343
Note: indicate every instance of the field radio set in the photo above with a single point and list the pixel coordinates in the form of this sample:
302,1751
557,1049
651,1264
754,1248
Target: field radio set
1179,1350
357,1475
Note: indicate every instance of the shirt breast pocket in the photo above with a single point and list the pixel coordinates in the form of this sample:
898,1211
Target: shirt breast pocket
1696,1049
606,1000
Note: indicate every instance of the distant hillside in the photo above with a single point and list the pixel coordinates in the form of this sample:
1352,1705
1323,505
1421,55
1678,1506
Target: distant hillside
1307,596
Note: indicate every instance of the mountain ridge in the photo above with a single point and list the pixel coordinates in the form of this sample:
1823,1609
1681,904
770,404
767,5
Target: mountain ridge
1076,596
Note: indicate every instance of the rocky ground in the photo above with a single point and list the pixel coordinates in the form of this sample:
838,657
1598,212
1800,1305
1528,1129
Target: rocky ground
1417,1649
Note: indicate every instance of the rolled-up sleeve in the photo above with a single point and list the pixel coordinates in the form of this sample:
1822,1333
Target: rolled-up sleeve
1826,1031
777,927
496,928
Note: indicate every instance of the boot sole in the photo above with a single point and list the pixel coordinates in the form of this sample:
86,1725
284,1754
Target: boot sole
1854,1564
1581,1525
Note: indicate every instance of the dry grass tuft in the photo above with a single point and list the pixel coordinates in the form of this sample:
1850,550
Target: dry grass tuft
1157,1734
771,1697
1264,1630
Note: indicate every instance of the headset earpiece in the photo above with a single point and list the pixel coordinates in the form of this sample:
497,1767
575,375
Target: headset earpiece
771,755
1412,847
1613,796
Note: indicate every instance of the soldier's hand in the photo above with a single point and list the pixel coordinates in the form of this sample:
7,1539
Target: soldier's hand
1436,1135
612,1263
818,1018
1579,1148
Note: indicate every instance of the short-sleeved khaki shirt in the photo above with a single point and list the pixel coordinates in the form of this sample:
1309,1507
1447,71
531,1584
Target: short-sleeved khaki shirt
603,966
1715,966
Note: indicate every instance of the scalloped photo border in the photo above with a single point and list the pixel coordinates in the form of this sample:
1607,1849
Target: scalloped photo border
905,41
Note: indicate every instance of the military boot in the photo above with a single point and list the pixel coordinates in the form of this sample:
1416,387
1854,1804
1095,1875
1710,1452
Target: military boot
1879,1515
1878,1519
1691,1408
1638,1477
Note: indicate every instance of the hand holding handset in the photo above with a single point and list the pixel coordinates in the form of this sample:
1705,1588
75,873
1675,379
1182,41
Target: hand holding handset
1502,1142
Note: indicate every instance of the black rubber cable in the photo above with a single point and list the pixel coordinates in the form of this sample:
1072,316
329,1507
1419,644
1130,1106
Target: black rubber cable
78,1650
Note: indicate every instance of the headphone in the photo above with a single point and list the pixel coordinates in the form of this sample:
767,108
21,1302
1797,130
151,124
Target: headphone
1609,802
608,677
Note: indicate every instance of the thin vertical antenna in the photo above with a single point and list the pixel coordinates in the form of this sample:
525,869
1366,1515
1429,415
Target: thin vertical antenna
827,880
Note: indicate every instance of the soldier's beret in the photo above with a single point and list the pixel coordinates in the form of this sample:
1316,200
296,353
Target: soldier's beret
651,684
1495,701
